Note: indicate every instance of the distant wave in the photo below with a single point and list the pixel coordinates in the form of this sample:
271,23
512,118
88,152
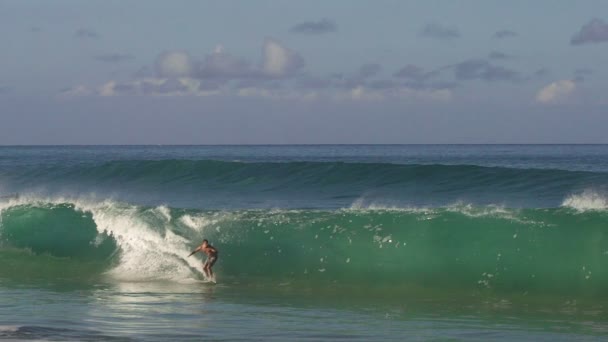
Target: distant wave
341,182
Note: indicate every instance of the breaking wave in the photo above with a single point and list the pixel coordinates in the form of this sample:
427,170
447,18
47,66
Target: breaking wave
488,248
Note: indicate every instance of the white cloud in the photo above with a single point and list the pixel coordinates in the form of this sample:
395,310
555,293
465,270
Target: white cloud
255,92
277,94
79,90
174,64
278,60
275,77
150,86
221,65
107,89
556,91
361,93
432,95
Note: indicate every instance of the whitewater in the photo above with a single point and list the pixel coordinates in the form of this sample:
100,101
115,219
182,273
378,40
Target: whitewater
454,236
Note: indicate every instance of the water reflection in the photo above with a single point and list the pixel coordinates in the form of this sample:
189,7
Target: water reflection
197,311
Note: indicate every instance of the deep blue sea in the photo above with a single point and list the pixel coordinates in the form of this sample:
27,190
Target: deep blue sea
319,242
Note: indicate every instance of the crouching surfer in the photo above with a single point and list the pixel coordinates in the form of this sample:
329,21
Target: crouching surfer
212,255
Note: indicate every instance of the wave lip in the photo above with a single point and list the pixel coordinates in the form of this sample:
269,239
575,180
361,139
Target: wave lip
588,200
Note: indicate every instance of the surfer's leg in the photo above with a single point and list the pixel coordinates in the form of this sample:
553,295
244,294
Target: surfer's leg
206,268
210,264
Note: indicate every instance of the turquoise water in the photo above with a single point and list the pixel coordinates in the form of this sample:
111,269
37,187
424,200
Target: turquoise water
316,242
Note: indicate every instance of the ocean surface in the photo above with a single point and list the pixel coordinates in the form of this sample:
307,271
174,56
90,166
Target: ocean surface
330,242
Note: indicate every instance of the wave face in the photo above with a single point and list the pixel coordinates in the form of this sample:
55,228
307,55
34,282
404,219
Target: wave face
560,251
222,184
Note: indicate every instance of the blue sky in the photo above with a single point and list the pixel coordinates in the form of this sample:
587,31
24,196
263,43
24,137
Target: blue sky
253,72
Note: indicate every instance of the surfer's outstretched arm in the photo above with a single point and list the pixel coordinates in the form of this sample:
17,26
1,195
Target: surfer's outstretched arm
196,250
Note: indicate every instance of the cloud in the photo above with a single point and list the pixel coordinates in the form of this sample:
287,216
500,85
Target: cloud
414,73
278,75
222,65
276,94
85,33
182,86
279,61
479,69
556,92
383,84
144,71
439,32
177,73
150,86
169,86
5,89
364,76
595,31
369,70
376,91
35,29
315,27
312,82
76,91
174,64
114,58
367,94
502,34
497,55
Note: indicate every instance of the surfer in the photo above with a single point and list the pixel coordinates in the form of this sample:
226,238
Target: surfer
212,255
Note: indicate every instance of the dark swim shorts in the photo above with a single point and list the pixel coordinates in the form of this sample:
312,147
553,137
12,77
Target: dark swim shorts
210,261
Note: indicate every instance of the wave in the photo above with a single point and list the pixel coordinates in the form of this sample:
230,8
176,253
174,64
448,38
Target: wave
222,184
462,247
587,200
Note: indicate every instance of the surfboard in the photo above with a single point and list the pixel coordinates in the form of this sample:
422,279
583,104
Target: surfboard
206,280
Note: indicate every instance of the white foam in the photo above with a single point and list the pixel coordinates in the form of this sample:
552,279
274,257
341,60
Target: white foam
9,328
363,204
164,212
466,209
494,211
196,223
485,211
146,252
587,200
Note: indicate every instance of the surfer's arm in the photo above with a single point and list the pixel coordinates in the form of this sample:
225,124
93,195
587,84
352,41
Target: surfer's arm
196,250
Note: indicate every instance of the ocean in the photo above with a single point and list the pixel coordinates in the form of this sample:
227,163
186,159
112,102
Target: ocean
319,242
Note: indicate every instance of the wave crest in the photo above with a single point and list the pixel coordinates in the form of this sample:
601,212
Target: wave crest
588,200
